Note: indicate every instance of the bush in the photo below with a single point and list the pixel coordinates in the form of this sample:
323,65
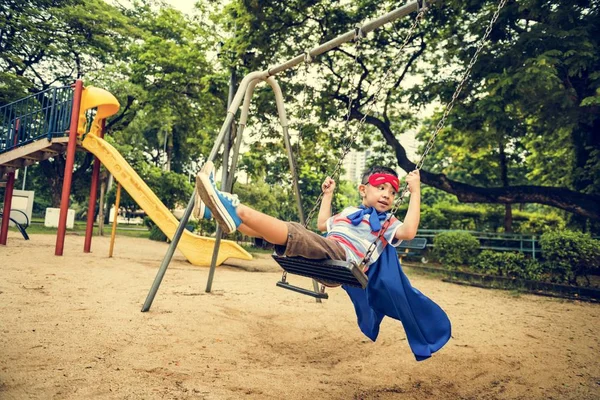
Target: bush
157,234
148,223
569,255
509,264
455,248
486,218
433,218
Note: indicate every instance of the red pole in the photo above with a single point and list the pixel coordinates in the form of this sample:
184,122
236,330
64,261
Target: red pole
8,193
89,228
66,189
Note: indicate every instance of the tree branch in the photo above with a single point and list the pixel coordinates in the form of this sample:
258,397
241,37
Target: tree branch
114,121
586,205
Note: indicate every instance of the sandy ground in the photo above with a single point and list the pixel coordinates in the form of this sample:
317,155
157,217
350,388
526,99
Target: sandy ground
71,328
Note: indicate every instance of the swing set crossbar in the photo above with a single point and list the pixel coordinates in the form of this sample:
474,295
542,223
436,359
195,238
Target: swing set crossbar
328,272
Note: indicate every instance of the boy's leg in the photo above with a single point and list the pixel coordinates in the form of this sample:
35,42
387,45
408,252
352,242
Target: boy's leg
230,214
292,238
269,228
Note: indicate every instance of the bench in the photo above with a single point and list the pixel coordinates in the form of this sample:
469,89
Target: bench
404,249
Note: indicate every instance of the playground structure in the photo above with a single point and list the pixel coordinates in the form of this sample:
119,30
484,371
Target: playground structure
54,121
348,273
106,106
244,93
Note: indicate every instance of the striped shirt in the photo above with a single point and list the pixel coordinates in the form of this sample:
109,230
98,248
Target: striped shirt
356,239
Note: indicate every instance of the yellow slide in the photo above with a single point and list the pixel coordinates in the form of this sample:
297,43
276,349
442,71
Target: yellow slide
197,249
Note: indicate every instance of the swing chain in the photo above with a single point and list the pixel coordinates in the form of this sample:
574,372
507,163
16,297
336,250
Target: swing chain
348,146
438,128
358,36
459,88
307,60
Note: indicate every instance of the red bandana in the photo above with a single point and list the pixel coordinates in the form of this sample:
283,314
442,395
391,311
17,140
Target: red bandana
378,179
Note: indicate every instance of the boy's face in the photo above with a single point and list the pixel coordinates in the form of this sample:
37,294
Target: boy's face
379,196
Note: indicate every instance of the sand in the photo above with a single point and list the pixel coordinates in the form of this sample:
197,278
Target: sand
71,328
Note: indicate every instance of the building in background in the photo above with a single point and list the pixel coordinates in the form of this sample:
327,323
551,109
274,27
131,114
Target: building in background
354,165
355,162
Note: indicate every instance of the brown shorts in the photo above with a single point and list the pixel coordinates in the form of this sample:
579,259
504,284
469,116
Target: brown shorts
304,243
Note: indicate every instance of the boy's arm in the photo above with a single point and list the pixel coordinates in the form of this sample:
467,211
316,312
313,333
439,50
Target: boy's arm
328,187
408,230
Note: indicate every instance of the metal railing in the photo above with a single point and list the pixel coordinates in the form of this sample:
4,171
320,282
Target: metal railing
46,114
523,243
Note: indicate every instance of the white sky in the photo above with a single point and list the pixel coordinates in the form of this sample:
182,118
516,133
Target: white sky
186,6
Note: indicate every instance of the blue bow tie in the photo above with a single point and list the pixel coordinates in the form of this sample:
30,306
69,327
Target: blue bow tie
375,217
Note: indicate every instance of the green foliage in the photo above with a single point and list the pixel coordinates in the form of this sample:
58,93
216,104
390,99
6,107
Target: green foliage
148,223
154,59
45,42
531,99
156,234
169,89
508,264
455,248
486,218
569,255
528,115
433,218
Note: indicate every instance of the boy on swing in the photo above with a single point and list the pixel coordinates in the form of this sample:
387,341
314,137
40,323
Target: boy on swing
349,233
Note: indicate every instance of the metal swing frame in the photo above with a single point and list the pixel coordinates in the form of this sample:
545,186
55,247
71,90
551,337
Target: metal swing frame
244,93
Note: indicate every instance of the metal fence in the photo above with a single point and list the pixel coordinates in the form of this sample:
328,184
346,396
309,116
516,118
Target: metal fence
46,114
522,243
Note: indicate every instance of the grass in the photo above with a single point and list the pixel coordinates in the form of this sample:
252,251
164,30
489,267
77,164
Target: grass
37,227
256,250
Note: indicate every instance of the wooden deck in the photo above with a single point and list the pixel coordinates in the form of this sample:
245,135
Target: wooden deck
30,154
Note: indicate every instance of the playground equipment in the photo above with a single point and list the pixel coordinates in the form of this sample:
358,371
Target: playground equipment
349,274
34,129
245,92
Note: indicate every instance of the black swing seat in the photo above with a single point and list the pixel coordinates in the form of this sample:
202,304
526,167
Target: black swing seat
327,272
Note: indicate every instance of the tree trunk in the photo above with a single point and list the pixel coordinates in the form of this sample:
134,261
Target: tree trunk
505,183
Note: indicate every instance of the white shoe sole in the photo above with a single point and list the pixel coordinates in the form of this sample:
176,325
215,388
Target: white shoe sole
199,211
211,200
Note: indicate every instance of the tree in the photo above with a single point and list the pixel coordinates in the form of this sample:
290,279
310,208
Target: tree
52,43
525,95
151,56
44,43
172,94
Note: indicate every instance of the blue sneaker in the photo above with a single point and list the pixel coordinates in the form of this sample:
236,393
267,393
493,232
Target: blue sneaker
200,210
221,204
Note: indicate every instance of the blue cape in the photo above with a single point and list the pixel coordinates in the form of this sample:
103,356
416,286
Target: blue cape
389,293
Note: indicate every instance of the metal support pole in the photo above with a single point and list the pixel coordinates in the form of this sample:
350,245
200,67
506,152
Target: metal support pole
68,176
292,161
234,106
288,144
168,256
241,127
224,179
235,157
24,178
